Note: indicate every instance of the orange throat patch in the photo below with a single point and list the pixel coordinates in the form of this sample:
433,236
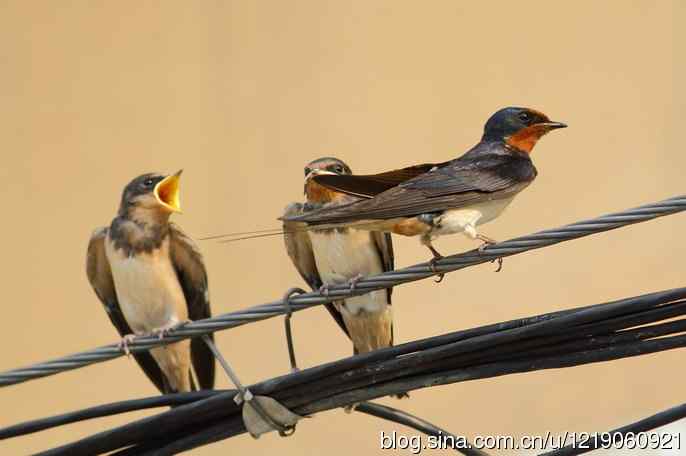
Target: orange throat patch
317,193
526,138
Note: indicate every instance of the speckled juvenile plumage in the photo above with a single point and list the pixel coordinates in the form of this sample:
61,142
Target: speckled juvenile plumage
150,277
338,255
135,236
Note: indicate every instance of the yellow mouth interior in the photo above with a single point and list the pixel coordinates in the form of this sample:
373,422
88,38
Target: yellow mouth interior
167,192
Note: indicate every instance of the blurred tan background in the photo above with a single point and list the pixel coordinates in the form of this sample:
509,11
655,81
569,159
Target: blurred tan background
241,94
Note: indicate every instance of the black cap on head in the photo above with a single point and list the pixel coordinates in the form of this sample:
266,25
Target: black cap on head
330,164
509,121
141,185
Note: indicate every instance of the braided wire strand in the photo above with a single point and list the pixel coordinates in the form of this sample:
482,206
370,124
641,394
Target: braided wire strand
389,279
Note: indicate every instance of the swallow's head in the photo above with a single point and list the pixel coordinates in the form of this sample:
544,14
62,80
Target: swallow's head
520,128
326,165
151,195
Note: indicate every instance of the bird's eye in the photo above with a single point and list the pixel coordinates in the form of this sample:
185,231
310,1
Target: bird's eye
524,117
338,169
147,183
307,171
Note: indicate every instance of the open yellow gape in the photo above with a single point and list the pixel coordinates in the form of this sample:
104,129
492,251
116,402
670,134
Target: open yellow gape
167,192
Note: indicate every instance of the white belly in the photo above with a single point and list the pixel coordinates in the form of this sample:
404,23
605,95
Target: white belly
148,290
344,256
467,219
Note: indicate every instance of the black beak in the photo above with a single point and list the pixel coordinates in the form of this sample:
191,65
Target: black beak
554,125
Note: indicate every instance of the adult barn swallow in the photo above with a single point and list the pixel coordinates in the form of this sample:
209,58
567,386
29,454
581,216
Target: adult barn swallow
150,277
335,256
451,197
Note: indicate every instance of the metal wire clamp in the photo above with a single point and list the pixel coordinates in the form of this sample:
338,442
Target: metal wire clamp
261,414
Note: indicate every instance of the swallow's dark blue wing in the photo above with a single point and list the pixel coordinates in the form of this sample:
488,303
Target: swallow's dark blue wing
463,182
368,186
486,174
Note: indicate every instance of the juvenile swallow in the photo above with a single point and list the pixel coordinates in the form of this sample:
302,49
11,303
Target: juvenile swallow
335,256
150,277
451,197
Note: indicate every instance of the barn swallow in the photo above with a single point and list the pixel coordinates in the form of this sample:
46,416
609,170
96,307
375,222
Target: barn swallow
151,278
451,197
336,256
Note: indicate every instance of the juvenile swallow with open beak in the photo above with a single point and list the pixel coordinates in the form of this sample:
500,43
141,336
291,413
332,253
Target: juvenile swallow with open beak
151,278
335,256
451,197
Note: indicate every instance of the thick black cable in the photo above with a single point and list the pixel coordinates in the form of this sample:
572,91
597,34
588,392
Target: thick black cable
99,411
404,418
586,335
600,319
646,424
223,428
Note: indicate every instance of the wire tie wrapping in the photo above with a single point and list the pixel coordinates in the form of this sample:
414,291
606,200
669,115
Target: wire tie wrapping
287,325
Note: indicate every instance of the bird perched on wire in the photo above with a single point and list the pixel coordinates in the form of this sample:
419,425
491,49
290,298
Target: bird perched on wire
335,256
451,197
151,278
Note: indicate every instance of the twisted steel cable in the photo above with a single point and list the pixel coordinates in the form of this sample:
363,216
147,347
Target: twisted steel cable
388,279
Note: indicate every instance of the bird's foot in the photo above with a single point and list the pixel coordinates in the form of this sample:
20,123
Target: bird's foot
500,264
432,264
160,332
486,242
164,331
402,396
324,289
124,343
353,282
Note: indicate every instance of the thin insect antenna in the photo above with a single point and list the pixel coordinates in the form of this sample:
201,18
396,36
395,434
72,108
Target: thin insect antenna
243,233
